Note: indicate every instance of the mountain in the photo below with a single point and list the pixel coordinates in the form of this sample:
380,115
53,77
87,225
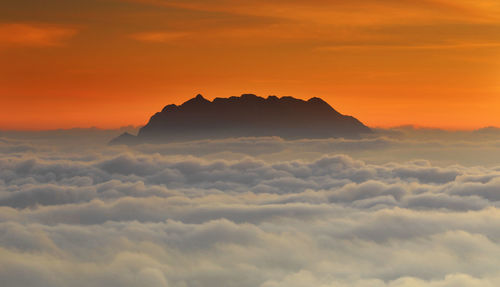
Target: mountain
246,116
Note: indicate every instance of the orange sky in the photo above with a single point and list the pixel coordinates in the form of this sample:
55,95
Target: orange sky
111,63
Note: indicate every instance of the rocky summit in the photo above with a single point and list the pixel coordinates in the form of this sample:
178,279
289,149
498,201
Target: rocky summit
246,116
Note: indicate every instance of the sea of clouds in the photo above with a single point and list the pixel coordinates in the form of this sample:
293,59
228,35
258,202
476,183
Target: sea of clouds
404,207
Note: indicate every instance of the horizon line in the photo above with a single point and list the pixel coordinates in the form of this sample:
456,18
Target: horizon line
131,126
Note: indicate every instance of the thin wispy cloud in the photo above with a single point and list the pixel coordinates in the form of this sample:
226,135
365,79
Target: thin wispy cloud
34,35
443,46
359,12
158,37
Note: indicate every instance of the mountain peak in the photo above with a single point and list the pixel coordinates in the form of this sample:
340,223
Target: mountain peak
248,116
316,100
198,100
250,96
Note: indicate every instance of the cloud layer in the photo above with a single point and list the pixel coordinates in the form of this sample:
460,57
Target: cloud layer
191,215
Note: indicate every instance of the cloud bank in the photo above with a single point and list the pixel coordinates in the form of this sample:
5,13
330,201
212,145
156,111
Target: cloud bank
263,212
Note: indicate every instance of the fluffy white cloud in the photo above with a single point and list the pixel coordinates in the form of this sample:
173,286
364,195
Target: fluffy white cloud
255,215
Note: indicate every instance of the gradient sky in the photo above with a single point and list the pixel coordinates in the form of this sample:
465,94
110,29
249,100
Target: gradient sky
111,63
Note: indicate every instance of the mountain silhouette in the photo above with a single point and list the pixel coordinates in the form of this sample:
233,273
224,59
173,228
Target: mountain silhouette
246,116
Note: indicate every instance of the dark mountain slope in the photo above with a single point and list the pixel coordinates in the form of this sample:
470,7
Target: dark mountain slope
246,116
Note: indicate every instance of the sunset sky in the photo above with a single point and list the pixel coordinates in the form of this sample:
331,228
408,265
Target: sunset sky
112,63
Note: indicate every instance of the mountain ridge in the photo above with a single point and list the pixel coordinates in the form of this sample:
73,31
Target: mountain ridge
246,116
